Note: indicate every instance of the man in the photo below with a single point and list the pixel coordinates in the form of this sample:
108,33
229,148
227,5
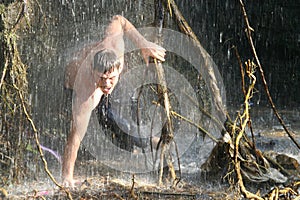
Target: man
94,73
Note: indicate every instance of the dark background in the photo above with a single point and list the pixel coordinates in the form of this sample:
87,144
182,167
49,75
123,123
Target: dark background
60,27
276,39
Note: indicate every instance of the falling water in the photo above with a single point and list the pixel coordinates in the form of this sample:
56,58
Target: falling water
63,27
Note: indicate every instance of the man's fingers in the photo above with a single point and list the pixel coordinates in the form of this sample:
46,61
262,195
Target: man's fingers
146,58
155,51
160,55
160,48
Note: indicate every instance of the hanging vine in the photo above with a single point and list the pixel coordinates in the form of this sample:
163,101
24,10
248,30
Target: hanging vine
13,76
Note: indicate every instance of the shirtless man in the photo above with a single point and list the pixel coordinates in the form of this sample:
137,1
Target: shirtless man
97,69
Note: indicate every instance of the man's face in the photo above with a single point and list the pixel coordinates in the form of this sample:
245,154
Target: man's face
107,81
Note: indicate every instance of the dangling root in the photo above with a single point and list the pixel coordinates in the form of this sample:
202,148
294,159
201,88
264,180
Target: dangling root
165,155
167,135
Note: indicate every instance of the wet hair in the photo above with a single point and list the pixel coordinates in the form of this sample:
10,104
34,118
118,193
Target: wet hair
106,61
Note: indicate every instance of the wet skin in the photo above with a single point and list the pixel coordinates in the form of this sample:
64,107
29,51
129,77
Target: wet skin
89,90
107,81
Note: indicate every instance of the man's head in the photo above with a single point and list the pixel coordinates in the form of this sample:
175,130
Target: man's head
106,70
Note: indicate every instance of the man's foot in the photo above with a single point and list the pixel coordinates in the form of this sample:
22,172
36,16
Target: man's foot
72,183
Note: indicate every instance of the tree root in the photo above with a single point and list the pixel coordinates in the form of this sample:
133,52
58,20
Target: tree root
249,31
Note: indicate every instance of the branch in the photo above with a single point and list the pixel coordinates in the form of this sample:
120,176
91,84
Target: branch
39,145
248,32
167,134
213,83
4,72
244,118
132,188
196,125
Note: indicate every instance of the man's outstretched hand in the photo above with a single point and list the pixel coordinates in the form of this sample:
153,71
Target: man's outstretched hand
153,50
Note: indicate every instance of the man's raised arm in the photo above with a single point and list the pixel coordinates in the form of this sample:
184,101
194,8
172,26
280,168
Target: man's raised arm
120,26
